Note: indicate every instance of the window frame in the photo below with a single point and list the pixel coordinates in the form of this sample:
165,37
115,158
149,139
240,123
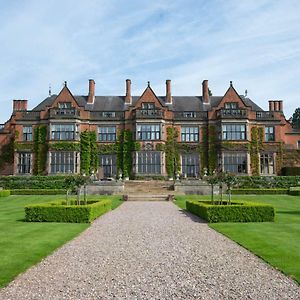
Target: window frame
64,135
242,166
148,162
27,136
63,162
269,136
266,161
144,132
24,162
187,134
106,133
232,135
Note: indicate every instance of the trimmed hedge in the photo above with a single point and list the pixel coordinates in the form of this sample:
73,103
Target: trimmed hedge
4,193
265,182
259,191
290,171
37,192
33,182
294,191
58,211
236,212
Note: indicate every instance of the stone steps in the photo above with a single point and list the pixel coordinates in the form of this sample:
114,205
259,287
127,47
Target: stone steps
148,197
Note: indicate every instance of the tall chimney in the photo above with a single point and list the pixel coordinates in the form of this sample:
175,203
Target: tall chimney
280,105
91,95
168,92
20,105
128,97
205,94
276,105
271,105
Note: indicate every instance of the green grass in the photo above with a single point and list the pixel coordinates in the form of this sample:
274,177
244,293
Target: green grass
277,243
23,244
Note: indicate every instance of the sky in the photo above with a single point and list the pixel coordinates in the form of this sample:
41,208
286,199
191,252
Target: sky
255,44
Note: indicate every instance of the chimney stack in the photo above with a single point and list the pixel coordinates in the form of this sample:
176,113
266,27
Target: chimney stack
276,105
128,97
168,92
271,105
91,95
205,94
280,105
19,105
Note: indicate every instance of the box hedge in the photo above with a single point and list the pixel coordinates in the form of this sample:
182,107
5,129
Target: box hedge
236,212
58,211
37,191
4,193
259,191
294,191
290,171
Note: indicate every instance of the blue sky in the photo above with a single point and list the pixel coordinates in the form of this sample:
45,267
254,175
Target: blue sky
256,44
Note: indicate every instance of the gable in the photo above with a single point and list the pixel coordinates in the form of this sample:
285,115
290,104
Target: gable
65,95
231,95
148,96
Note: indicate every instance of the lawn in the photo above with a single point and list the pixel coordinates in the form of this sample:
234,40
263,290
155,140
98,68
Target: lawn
24,244
277,243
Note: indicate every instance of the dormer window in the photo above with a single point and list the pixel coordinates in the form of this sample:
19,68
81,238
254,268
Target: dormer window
231,105
63,105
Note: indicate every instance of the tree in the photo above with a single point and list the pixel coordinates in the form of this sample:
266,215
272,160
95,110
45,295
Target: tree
230,181
296,118
212,180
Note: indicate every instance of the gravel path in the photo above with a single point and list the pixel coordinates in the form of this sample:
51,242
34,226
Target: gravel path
151,250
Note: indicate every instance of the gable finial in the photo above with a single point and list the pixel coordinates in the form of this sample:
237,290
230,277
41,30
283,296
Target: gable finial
230,82
65,83
246,93
50,89
148,83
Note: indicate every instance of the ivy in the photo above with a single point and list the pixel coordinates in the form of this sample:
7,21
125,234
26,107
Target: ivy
7,153
128,148
119,152
24,146
65,146
40,149
212,148
172,153
279,158
108,148
88,152
256,145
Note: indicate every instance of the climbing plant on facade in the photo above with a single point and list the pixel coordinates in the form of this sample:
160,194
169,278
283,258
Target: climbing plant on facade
128,148
212,148
256,145
40,148
88,152
172,153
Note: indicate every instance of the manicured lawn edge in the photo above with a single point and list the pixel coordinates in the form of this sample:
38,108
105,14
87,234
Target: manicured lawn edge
259,191
38,192
236,212
58,211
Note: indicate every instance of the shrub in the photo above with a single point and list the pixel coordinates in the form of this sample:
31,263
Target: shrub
37,191
34,182
294,191
58,211
265,182
237,212
290,171
259,191
4,193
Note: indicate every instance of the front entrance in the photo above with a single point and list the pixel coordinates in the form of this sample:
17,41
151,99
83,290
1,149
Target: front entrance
108,165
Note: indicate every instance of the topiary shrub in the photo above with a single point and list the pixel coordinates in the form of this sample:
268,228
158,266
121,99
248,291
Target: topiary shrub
236,212
4,193
58,211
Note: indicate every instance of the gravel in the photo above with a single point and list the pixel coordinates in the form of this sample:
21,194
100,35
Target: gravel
151,250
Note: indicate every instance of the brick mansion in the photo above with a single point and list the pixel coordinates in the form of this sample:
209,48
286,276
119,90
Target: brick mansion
147,135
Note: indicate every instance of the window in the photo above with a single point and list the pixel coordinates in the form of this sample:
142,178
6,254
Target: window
266,163
234,132
231,105
148,132
64,131
27,133
63,162
108,164
148,162
189,114
269,134
235,163
108,114
190,165
24,163
106,134
189,134
148,105
64,105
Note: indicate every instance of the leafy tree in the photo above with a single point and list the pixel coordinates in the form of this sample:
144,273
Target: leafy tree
230,181
212,180
296,118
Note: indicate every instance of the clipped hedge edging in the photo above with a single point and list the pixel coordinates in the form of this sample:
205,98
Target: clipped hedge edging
259,191
294,191
237,212
4,193
38,191
58,211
